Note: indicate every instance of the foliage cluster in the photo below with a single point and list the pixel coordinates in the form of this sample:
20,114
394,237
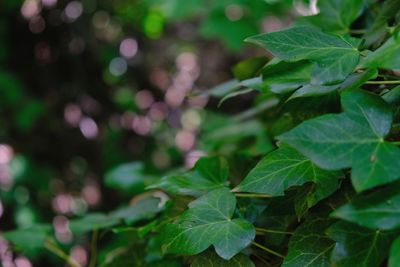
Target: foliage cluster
308,176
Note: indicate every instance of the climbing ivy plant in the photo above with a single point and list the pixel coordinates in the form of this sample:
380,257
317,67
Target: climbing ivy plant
308,176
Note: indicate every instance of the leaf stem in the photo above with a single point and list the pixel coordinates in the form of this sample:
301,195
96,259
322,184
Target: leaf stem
52,247
93,248
397,143
262,230
384,82
267,249
357,31
252,195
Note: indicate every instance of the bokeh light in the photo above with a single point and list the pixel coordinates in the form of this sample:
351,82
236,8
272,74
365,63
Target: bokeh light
128,48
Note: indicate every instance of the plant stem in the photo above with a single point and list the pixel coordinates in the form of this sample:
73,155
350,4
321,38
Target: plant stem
252,195
384,82
397,143
52,247
267,249
262,230
93,248
357,31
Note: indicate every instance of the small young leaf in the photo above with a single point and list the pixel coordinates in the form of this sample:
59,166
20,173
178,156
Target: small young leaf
333,57
209,222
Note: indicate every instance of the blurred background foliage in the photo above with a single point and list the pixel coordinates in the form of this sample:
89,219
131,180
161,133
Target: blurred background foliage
100,99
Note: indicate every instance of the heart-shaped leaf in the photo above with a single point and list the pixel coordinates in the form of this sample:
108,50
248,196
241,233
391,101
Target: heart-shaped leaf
334,57
354,139
285,167
209,222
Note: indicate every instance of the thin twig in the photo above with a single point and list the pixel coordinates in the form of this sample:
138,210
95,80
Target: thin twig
252,195
262,230
383,82
52,247
267,249
93,248
357,31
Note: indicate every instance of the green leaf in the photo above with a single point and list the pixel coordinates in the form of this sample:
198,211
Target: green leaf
248,68
284,77
285,167
93,221
10,89
358,246
392,96
309,246
379,210
354,81
144,209
394,258
223,89
335,15
209,222
334,57
354,139
209,259
29,239
378,30
126,177
386,57
209,173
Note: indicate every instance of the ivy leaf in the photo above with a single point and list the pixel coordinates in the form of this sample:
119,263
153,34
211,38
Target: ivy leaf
309,246
392,96
335,15
209,173
394,258
334,57
352,82
126,177
354,139
378,30
379,210
359,246
284,77
142,210
211,259
386,57
30,239
209,222
285,167
249,68
92,221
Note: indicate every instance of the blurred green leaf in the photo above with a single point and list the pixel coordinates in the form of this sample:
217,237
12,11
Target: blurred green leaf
127,177
208,259
208,173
